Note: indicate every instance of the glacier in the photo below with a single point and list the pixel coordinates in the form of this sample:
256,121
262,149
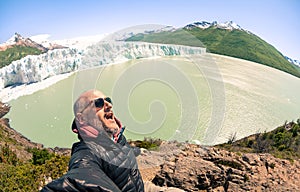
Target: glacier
36,69
115,52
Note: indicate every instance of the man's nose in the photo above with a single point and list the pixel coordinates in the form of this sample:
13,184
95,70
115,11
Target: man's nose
107,105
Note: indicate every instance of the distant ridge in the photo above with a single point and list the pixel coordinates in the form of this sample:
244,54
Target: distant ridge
293,61
18,47
19,40
229,25
225,39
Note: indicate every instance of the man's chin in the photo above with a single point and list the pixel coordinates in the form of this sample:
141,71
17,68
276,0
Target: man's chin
112,128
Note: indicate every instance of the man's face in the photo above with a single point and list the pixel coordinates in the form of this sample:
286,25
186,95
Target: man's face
107,118
104,116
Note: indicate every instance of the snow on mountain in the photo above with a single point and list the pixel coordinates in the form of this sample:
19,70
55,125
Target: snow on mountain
202,25
39,42
131,31
293,61
228,25
43,40
81,43
11,40
18,39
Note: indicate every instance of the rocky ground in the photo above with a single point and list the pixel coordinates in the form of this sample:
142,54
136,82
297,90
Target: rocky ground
196,168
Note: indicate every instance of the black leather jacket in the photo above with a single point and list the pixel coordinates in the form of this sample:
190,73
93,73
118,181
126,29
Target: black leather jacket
100,165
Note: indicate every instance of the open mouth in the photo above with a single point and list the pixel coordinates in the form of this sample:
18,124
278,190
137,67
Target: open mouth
109,116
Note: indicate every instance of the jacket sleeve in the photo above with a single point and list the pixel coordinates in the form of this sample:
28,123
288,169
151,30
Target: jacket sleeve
85,174
82,180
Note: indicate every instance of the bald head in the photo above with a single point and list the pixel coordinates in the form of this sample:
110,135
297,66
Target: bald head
101,117
85,98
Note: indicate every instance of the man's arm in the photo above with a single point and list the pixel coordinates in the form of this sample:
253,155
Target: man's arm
85,174
83,179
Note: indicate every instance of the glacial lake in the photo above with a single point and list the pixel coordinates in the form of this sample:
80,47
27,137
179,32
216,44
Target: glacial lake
203,99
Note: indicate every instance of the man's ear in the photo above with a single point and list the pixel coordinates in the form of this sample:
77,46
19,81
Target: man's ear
80,119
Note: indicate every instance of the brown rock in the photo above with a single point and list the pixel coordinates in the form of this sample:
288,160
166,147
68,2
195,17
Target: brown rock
196,168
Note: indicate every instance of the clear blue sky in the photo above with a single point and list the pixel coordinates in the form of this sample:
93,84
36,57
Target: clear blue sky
276,21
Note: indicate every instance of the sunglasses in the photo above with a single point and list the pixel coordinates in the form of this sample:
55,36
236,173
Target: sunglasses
99,103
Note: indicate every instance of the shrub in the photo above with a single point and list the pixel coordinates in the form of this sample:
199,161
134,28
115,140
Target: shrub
261,145
29,177
39,156
7,155
149,143
283,139
295,130
56,166
232,138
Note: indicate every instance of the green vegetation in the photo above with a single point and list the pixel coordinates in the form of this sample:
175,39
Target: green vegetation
147,143
15,53
234,43
283,142
17,175
7,156
179,37
20,175
40,156
25,168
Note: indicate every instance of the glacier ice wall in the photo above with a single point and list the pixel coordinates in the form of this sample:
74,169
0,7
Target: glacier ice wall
114,52
35,68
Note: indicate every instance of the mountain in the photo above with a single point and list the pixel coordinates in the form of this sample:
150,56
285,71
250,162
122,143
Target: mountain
229,25
22,61
18,40
293,61
18,47
223,38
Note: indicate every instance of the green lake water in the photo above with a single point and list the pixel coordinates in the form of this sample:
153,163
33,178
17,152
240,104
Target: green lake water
203,99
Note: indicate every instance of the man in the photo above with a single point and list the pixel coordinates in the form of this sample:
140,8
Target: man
102,160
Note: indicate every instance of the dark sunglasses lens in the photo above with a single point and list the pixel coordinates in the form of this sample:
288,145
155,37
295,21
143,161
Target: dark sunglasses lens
108,100
99,103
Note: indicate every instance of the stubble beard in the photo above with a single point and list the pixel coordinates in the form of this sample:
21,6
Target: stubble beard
100,125
110,130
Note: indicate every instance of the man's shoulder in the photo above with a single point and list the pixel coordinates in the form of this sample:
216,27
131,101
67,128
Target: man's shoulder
83,147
